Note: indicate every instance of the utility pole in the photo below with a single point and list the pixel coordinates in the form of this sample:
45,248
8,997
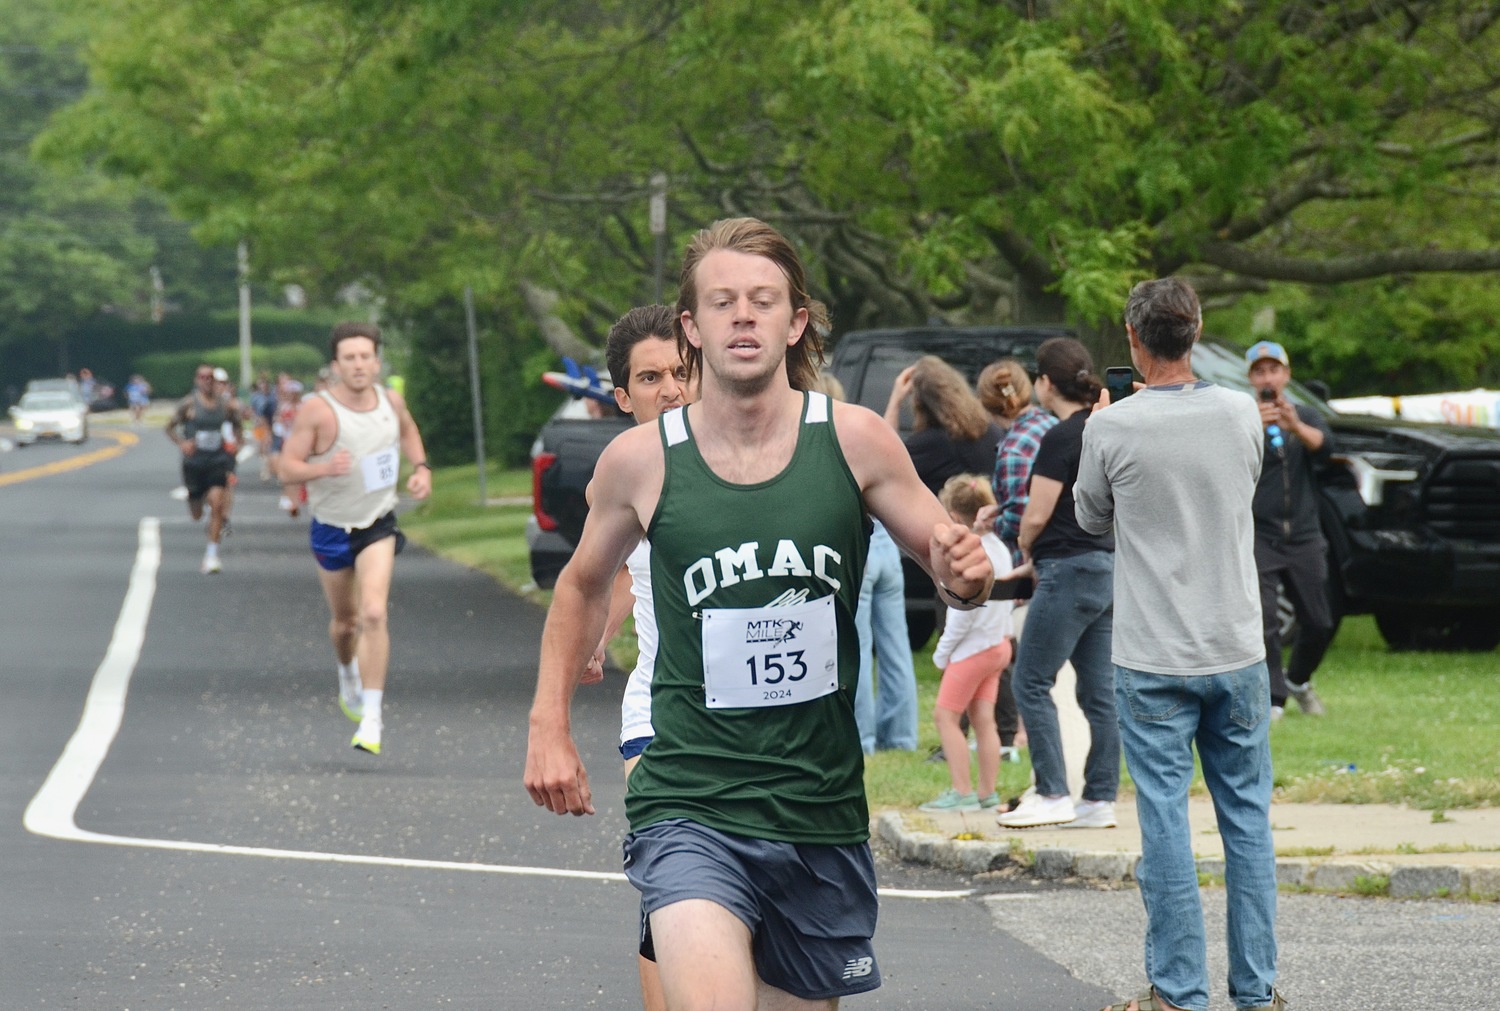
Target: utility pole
659,229
158,295
474,395
244,261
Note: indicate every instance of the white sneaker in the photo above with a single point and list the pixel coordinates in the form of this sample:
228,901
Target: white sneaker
1093,814
211,565
351,695
1035,811
367,737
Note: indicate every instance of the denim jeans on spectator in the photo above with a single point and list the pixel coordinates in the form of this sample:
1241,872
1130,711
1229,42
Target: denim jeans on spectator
1071,617
1228,717
887,719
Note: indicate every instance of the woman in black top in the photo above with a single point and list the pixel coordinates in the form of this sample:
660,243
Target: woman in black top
952,432
1071,616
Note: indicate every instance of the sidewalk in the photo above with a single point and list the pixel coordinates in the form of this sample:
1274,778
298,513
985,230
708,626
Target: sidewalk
1359,848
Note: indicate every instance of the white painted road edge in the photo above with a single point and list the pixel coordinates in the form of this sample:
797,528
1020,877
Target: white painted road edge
52,811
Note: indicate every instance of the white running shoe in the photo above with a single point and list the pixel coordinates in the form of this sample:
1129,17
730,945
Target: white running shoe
211,565
1036,811
1093,814
367,737
351,695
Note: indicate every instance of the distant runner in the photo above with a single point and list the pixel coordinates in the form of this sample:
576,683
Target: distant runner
346,444
204,427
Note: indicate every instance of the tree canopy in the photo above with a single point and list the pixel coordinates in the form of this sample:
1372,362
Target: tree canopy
963,160
74,241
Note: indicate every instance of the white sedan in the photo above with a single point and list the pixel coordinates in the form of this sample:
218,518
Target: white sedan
50,414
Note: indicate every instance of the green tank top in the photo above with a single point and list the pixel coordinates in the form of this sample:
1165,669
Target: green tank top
783,765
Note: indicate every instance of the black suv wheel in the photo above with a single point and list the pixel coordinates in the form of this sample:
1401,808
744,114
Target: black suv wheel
1452,630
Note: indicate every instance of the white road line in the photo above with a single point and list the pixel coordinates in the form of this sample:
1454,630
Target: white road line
53,810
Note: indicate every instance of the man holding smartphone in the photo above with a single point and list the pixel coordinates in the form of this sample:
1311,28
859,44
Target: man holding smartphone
1290,551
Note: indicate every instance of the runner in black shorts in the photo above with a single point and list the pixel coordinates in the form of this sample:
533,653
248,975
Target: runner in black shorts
204,427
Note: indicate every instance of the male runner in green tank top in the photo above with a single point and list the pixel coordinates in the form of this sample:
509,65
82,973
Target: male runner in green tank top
749,830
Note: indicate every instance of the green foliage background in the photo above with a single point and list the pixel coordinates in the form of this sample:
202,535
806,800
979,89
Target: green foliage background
965,161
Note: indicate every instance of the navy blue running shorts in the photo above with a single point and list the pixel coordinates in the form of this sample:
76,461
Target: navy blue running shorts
810,908
336,548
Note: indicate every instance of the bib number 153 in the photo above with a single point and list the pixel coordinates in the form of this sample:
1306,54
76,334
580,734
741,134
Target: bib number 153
772,668
769,656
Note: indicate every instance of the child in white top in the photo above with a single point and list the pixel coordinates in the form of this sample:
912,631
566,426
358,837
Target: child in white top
972,651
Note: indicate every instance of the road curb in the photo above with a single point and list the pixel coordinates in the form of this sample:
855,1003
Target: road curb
1364,876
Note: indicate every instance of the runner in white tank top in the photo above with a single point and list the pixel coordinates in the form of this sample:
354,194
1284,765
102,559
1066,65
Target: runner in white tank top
346,444
367,492
650,379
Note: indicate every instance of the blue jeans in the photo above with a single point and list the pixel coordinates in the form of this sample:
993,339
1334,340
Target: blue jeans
1071,617
1228,717
881,621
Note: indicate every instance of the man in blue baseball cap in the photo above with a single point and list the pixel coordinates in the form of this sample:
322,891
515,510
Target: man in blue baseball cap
1290,551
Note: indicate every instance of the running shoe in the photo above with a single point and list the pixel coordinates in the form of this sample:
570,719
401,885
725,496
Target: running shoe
367,737
993,800
952,800
211,565
1036,811
351,696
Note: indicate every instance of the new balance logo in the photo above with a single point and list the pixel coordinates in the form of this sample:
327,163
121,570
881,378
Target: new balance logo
859,967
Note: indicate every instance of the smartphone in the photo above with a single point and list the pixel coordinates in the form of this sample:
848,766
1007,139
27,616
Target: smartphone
1120,381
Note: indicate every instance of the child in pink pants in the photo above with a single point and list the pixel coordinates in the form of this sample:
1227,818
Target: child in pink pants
972,651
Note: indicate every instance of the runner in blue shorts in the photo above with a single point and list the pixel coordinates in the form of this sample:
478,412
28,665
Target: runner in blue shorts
346,444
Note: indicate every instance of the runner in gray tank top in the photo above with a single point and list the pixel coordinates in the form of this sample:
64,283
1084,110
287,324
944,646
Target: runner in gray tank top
749,840
347,444
205,427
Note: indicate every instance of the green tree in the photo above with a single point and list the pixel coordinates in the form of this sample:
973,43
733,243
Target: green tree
75,242
964,160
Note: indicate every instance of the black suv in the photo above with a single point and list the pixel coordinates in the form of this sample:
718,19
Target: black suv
1411,511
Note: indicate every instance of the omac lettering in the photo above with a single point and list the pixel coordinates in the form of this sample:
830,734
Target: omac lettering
729,566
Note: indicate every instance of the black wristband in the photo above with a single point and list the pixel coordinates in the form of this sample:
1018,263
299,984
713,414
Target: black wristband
975,602
421,463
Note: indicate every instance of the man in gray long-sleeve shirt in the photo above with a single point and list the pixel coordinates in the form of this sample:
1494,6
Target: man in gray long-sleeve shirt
1172,470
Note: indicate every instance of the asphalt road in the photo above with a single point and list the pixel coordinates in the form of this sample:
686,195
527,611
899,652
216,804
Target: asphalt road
228,847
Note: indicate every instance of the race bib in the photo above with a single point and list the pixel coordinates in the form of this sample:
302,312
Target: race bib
380,469
208,440
769,656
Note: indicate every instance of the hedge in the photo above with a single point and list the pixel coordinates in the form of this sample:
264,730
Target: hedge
170,373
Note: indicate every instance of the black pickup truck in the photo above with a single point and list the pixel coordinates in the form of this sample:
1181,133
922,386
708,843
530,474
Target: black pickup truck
1411,510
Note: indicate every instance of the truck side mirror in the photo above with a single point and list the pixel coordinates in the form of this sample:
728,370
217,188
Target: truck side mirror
1318,388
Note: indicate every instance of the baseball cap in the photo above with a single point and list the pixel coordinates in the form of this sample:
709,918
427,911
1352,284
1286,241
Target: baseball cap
221,375
1267,349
